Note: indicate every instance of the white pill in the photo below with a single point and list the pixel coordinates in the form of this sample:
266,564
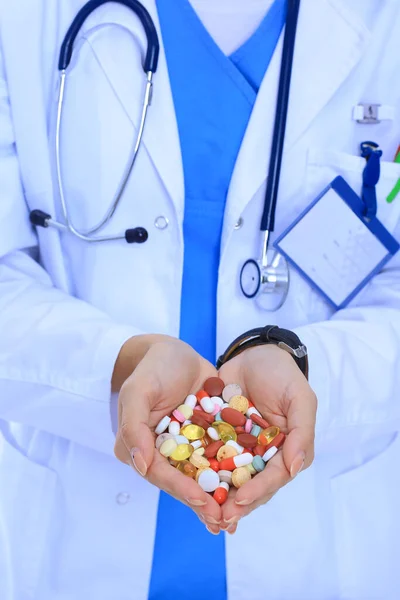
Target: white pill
181,439
213,434
224,405
230,390
191,400
168,447
225,476
235,445
161,439
196,444
208,480
174,427
187,422
207,405
253,411
217,400
224,485
163,424
243,459
270,453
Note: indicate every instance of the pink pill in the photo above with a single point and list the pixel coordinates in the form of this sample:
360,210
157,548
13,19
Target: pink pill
216,410
248,426
197,408
179,416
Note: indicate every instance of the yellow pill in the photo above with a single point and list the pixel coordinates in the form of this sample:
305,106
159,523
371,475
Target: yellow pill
251,469
187,469
226,452
167,447
186,411
266,436
193,432
240,476
239,403
182,452
226,431
199,461
199,451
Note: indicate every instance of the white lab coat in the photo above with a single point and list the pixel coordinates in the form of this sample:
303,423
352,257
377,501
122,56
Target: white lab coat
76,524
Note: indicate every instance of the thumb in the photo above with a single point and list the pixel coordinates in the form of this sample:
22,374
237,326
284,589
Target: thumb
134,430
298,449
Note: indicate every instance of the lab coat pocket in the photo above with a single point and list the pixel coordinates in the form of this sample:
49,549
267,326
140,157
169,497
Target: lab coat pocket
26,500
367,527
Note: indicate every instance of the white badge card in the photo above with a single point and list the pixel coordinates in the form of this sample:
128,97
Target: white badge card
334,246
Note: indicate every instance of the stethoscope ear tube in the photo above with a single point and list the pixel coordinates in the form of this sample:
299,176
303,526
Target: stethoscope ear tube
153,45
278,139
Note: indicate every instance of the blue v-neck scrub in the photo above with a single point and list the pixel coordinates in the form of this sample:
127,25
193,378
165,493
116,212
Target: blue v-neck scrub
213,97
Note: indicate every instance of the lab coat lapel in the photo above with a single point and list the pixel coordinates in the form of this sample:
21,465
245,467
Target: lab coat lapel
330,42
161,137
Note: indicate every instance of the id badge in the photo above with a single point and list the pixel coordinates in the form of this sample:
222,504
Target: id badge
334,246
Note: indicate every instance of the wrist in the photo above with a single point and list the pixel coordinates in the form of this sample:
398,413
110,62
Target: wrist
130,355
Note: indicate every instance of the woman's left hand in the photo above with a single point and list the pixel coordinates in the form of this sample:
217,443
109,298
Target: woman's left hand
272,380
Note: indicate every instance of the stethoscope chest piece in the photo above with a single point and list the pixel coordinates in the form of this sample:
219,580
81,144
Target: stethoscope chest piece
268,284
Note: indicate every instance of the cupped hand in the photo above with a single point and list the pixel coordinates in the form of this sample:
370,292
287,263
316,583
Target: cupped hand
167,372
272,380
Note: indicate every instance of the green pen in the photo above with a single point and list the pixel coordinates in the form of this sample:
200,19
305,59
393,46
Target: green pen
396,188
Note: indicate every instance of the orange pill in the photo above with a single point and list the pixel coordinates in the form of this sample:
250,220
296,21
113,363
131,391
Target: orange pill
214,464
221,493
259,450
201,394
267,435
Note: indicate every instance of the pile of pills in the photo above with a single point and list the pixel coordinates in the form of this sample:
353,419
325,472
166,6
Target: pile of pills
218,438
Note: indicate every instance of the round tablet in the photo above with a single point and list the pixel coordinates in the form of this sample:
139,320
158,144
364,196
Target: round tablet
232,389
208,480
214,386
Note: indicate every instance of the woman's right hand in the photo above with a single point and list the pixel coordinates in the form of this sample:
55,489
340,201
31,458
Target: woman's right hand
158,373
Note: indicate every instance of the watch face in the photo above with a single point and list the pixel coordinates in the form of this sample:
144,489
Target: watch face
250,278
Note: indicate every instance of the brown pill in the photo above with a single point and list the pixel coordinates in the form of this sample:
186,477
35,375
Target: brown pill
198,420
214,386
233,417
277,441
259,421
259,450
212,449
240,430
209,418
247,440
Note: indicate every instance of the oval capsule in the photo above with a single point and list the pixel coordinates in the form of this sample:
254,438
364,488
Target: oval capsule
226,431
267,435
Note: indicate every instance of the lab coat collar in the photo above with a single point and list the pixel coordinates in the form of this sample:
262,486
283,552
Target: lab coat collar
161,136
325,54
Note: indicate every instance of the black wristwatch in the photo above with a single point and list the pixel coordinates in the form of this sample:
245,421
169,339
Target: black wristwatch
270,334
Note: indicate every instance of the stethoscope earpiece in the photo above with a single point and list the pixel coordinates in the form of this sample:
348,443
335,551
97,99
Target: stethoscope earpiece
138,235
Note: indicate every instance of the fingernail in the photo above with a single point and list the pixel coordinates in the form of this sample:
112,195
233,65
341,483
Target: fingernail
211,531
138,461
297,464
195,502
232,520
231,529
211,520
244,502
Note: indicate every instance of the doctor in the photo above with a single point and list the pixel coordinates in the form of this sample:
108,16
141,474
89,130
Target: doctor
89,332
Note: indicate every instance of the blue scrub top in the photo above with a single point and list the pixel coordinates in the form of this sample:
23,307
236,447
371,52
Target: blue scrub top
213,97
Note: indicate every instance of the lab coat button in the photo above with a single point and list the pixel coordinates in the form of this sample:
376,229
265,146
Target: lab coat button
123,498
161,222
238,223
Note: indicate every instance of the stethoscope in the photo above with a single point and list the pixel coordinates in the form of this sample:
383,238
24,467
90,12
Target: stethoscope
39,218
266,279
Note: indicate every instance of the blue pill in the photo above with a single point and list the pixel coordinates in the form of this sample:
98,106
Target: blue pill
258,464
218,417
255,430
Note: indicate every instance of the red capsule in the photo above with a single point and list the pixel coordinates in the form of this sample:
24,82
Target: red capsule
260,421
221,493
233,417
201,394
259,450
277,442
214,464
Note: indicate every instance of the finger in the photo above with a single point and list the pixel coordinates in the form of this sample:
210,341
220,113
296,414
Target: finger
231,512
298,449
184,489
